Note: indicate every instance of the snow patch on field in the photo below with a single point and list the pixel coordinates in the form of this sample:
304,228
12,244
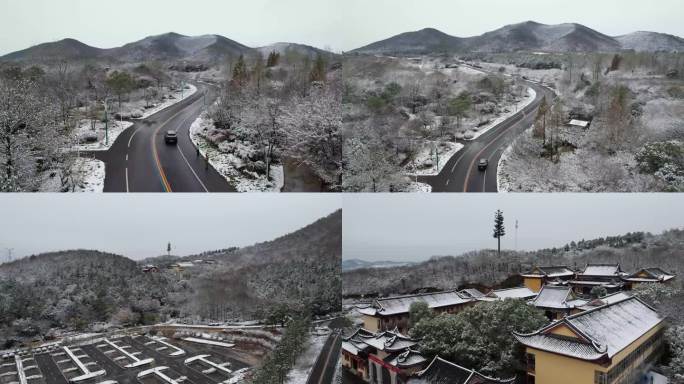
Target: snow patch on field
88,176
305,362
426,161
531,95
101,142
417,187
227,164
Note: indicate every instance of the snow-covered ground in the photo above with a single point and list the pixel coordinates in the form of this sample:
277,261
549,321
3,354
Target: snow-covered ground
209,342
89,176
418,187
96,131
473,134
102,141
228,164
426,161
305,362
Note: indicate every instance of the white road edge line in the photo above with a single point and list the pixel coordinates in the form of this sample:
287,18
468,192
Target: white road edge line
192,170
127,189
131,138
186,159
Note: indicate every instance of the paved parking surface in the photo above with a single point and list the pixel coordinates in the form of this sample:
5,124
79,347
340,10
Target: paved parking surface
115,356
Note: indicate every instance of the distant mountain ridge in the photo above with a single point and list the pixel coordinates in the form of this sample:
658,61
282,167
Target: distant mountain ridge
526,36
352,264
165,47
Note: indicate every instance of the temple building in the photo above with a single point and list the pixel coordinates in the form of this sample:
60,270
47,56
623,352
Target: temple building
541,276
441,371
648,275
393,312
609,344
608,276
557,301
384,357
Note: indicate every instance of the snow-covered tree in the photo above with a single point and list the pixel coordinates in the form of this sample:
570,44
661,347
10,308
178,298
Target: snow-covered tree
480,337
28,135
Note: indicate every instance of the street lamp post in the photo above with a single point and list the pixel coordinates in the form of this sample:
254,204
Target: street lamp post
106,121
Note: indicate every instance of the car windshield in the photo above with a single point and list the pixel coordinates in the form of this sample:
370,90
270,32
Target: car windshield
171,133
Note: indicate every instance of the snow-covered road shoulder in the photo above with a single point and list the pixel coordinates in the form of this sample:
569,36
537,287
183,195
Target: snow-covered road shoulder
430,164
474,134
228,164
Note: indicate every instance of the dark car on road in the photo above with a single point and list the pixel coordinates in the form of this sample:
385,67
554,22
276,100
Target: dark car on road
171,137
482,164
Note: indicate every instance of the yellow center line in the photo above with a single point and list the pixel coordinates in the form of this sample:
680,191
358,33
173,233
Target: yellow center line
165,181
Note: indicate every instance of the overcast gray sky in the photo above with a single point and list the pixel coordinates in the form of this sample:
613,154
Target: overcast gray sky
140,226
416,227
338,24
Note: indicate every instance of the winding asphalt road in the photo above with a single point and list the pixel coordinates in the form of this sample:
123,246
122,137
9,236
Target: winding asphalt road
460,174
140,161
324,368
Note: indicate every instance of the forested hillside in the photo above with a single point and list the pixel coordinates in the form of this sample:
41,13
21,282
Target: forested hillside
632,251
82,290
75,290
299,269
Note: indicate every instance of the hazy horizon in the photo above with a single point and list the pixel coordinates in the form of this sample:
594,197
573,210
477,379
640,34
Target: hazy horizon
141,226
323,24
415,228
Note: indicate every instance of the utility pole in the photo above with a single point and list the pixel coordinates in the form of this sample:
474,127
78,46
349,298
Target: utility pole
516,234
106,119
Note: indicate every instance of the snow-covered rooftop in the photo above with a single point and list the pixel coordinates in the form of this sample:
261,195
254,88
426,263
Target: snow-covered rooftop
604,270
608,329
512,293
442,371
556,297
650,275
401,304
609,299
388,341
406,359
552,271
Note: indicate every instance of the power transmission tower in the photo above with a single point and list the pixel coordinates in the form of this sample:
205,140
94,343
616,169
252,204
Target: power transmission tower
516,234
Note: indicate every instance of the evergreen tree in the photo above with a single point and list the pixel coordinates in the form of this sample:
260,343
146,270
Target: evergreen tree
541,117
240,73
273,59
499,230
318,70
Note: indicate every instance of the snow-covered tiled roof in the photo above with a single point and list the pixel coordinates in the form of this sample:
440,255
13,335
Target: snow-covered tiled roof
388,341
556,297
567,347
405,359
471,292
441,371
612,284
607,270
513,293
552,271
607,329
402,304
651,275
609,299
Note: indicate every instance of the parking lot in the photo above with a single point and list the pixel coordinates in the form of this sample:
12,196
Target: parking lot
125,360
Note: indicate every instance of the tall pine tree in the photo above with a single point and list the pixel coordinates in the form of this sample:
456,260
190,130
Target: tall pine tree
499,230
